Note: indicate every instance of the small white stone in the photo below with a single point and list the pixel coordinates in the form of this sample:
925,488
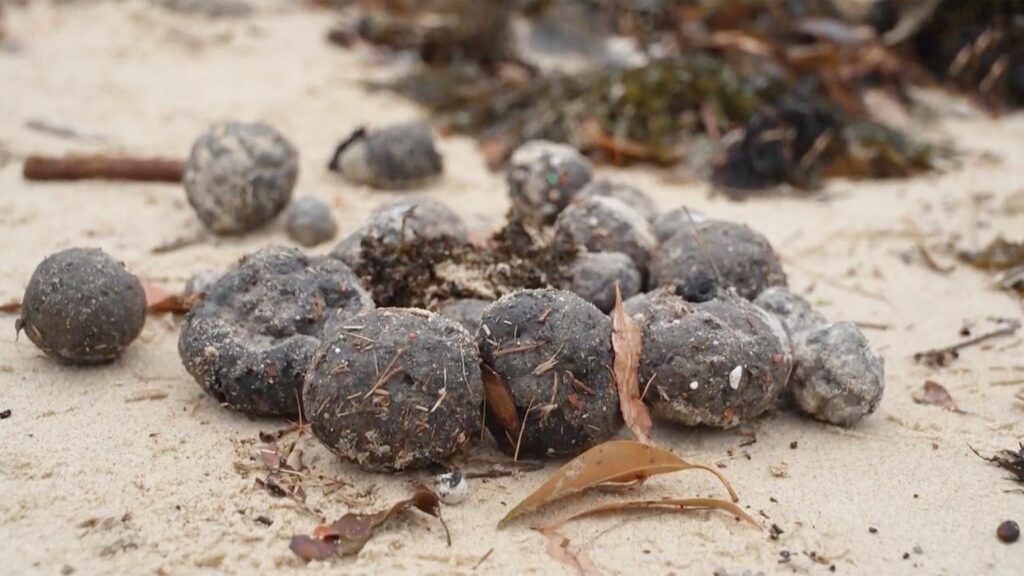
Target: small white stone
735,376
451,487
694,385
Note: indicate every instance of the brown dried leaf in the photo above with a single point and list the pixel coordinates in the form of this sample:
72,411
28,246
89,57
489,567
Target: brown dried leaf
558,549
499,399
681,504
617,462
351,532
312,548
934,394
159,301
627,344
10,307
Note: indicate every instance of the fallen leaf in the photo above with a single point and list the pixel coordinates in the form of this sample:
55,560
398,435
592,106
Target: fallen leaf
159,301
351,532
934,394
617,463
666,504
558,550
499,399
627,344
10,307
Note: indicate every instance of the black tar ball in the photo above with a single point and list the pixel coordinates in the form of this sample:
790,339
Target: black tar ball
719,363
716,255
594,275
606,224
554,352
82,306
399,389
250,342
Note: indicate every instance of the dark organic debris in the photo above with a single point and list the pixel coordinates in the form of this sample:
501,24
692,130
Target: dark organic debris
777,92
5,414
348,535
940,357
1010,460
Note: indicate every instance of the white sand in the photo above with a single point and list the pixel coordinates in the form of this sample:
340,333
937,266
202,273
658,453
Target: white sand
91,480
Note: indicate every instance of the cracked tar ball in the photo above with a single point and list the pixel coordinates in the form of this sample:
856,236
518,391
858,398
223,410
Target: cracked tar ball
631,195
399,389
594,275
420,218
553,351
309,222
793,311
82,306
542,178
837,377
604,224
397,156
716,255
240,176
718,363
250,341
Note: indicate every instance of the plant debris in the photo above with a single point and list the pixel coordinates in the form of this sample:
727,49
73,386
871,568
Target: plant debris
666,504
779,92
558,550
348,535
1010,460
159,301
617,463
941,357
934,394
627,344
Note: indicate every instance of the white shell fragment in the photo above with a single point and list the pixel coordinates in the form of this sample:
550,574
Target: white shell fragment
451,487
735,377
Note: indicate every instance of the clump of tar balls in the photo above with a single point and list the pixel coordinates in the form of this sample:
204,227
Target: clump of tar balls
284,333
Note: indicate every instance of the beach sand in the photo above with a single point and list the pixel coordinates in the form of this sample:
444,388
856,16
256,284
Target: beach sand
130,469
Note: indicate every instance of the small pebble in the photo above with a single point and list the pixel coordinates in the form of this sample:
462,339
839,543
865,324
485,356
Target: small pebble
240,176
1008,531
309,222
82,306
542,178
451,488
399,156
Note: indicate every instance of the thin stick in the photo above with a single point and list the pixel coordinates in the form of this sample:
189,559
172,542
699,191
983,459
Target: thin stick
47,168
1011,327
522,427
